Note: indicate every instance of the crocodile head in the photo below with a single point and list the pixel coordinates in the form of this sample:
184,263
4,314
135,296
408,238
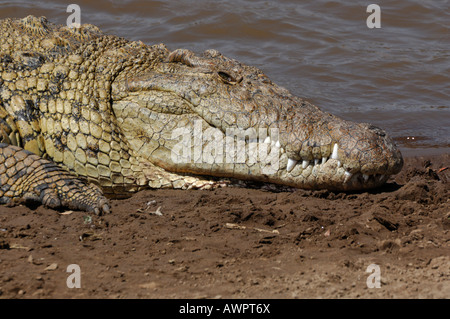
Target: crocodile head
211,115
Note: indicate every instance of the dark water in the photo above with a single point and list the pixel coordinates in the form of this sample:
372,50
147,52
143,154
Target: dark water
396,77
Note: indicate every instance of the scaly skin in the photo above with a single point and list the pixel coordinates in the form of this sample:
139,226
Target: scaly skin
125,116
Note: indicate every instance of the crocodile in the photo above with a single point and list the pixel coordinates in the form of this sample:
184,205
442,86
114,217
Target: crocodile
86,116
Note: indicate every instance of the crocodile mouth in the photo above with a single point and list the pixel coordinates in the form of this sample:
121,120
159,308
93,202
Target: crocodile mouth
296,167
325,172
163,134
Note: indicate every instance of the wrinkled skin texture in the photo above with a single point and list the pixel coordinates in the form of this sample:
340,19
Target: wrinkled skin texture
124,116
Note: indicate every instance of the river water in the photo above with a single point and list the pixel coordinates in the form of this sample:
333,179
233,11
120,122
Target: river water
396,77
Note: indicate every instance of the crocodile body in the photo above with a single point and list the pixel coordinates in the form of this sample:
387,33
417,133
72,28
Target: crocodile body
94,109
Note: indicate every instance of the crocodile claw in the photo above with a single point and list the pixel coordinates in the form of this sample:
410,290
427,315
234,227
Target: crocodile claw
30,178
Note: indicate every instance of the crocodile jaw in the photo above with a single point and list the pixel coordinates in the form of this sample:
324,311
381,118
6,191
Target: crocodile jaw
187,144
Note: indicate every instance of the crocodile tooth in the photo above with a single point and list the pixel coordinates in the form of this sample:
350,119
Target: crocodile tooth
381,177
277,144
324,159
291,164
348,175
267,140
334,155
305,164
366,177
316,161
339,164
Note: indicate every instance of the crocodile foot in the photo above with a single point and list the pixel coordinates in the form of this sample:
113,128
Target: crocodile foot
26,177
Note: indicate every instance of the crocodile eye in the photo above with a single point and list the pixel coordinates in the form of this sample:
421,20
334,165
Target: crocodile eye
225,77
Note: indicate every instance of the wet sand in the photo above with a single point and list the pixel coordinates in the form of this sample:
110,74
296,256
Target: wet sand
240,243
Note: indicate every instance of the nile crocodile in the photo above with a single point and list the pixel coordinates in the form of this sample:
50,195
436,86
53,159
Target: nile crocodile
85,115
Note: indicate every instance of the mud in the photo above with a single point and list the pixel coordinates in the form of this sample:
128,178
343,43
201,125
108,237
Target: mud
240,243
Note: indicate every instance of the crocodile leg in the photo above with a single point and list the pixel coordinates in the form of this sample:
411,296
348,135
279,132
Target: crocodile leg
27,177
